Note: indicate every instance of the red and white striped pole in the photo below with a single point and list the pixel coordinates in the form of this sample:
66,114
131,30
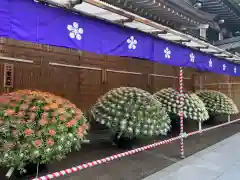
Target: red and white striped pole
181,111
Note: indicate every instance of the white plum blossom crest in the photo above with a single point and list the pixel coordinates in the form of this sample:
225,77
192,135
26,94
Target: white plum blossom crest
132,42
210,64
167,53
224,67
192,57
75,31
235,69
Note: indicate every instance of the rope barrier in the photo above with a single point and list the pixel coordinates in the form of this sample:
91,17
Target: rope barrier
127,153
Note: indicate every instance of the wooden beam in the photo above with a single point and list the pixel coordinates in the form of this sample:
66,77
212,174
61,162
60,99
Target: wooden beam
183,40
123,21
216,52
159,32
203,47
15,59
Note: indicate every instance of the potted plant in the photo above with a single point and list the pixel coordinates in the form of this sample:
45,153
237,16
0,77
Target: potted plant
130,113
217,103
193,107
37,128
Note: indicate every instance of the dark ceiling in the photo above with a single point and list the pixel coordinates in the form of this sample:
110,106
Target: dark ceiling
228,10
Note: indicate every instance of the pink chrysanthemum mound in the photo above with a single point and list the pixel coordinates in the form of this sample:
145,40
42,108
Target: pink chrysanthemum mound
38,127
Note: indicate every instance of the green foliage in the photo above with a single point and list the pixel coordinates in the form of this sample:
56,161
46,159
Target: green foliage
193,107
38,127
131,112
217,103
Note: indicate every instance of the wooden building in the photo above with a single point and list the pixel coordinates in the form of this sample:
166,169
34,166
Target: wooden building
82,77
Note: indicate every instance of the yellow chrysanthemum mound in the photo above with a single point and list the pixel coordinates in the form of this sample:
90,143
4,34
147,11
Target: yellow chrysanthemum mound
193,107
217,103
131,112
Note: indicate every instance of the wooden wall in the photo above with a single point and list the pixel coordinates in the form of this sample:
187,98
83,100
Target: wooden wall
228,85
82,77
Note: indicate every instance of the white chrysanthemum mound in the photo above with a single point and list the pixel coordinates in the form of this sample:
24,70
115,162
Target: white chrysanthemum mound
193,107
217,103
131,112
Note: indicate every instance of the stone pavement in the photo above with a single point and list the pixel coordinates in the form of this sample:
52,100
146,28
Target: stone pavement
218,162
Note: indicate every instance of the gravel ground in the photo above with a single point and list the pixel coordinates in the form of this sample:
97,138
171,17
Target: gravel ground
140,165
